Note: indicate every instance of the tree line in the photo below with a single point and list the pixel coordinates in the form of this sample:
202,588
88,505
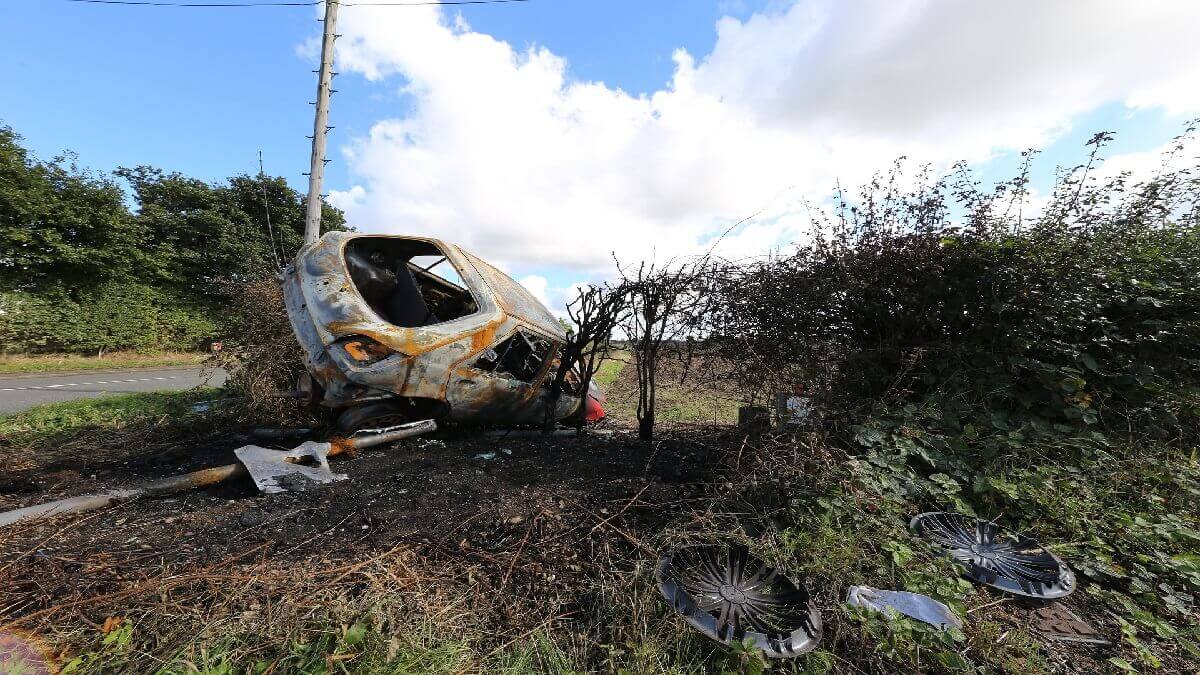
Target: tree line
139,259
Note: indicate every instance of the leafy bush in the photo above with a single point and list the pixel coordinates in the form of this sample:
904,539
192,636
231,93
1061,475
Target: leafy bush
107,317
80,272
1041,370
957,303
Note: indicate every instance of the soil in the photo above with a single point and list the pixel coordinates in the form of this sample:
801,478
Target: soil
529,527
428,489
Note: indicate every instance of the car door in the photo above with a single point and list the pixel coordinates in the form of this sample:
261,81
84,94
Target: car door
500,384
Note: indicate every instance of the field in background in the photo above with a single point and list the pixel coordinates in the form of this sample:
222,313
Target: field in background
610,369
677,401
17,364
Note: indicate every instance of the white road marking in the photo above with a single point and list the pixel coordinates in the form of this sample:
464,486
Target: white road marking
85,384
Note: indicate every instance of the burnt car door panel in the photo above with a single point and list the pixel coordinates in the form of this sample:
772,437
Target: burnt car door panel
501,383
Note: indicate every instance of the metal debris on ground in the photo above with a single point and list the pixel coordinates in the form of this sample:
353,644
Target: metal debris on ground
307,465
793,408
915,605
162,486
216,474
1061,624
285,471
730,596
1011,563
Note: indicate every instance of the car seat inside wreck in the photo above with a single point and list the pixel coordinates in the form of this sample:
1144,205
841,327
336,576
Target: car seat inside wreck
410,283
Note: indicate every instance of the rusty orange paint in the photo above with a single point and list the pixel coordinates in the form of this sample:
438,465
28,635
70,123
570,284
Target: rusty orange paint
341,446
362,350
483,339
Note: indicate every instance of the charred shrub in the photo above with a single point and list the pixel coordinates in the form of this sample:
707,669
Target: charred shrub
260,353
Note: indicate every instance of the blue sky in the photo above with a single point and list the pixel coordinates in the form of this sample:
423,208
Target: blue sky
550,134
200,91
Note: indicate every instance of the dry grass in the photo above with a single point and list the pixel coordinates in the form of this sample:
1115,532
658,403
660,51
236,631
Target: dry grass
261,357
549,591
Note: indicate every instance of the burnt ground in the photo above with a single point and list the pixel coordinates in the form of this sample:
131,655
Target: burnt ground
432,488
456,536
522,529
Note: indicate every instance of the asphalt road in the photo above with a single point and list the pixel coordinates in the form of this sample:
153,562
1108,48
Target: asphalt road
18,392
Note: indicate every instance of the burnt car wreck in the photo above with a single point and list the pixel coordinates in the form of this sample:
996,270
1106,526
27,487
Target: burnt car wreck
396,328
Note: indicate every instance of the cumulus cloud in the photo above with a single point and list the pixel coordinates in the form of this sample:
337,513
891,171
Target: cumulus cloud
502,150
537,285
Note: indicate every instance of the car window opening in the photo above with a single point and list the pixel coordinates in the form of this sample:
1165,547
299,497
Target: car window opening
519,357
408,282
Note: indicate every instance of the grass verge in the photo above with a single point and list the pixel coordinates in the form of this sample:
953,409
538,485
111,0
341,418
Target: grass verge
18,364
111,412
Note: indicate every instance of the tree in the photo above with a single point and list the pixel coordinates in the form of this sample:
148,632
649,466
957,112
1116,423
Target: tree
664,303
199,235
595,313
60,226
80,272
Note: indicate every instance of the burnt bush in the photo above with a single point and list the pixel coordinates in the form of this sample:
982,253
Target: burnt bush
954,304
261,355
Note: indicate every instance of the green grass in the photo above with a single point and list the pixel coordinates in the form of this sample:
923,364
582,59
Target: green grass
674,403
610,369
356,648
114,411
1125,517
679,404
15,364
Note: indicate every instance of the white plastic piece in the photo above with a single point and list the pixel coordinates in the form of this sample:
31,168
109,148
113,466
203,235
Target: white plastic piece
281,470
915,605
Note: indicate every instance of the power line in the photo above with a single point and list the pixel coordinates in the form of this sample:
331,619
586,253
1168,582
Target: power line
262,183
286,3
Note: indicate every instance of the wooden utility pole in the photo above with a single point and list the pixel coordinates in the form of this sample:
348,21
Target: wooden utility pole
316,171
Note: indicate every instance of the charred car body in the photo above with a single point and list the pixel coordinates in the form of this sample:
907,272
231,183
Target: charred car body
399,328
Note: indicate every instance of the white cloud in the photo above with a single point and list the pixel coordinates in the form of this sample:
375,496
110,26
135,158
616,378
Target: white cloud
1148,164
504,152
536,285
